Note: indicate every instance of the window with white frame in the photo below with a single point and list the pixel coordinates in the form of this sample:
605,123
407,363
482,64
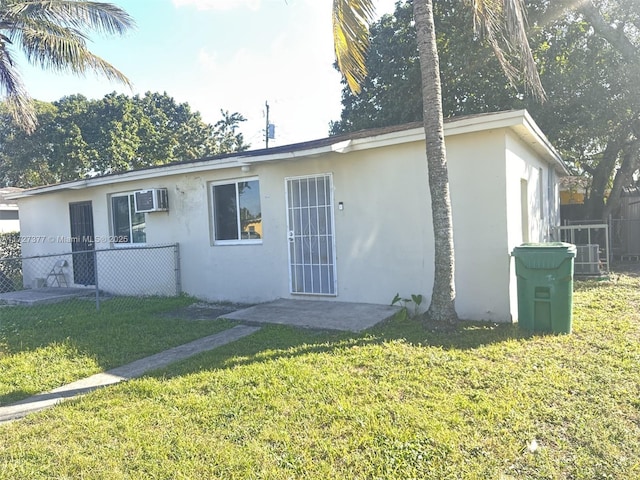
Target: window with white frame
237,216
128,226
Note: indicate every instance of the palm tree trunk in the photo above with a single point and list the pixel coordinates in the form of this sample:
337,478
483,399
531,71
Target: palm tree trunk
442,306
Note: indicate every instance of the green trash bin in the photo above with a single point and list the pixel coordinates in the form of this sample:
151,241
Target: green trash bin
545,286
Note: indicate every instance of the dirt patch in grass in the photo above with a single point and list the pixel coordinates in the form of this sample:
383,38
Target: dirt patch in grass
205,311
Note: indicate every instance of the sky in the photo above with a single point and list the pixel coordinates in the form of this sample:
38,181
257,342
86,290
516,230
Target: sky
233,55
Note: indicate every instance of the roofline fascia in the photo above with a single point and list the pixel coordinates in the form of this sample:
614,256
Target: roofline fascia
169,169
543,145
513,119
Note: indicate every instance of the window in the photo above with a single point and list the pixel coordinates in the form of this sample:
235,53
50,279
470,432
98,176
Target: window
128,226
237,217
9,215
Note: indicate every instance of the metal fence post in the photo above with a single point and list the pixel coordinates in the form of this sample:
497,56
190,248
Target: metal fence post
95,274
176,256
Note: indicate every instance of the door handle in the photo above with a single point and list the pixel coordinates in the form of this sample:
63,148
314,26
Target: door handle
290,236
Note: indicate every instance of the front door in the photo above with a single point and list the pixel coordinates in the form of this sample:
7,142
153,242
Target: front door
81,219
312,265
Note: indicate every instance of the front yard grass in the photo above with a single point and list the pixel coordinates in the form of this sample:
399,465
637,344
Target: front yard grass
48,346
396,402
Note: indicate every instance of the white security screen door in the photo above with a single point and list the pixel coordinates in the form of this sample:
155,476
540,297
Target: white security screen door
311,241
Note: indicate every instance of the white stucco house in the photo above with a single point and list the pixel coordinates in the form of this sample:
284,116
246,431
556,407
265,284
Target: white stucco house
344,218
9,216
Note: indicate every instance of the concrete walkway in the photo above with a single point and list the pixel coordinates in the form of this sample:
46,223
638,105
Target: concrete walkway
125,372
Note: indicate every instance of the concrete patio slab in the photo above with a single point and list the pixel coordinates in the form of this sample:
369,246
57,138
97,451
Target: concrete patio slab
42,296
324,315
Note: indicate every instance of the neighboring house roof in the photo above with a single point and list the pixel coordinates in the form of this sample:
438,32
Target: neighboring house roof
6,193
517,120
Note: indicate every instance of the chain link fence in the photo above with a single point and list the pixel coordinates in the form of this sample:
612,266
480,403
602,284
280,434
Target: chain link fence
10,270
117,275
625,238
619,238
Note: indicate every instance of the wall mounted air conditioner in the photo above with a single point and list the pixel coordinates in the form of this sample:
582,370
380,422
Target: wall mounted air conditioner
587,260
152,200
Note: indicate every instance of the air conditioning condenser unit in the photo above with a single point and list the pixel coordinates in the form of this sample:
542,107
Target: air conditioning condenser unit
151,200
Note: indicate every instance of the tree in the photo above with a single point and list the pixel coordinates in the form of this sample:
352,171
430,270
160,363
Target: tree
225,136
472,81
77,138
53,34
500,21
586,68
616,24
594,96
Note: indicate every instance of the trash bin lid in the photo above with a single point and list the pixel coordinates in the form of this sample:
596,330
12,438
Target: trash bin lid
544,255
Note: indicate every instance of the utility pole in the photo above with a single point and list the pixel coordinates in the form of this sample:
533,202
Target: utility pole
269,128
266,128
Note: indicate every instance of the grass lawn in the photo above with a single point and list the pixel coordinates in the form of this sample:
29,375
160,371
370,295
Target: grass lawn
45,347
484,402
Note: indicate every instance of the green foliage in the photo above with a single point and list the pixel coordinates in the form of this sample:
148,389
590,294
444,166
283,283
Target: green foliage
10,263
593,98
10,245
415,299
53,35
78,137
472,80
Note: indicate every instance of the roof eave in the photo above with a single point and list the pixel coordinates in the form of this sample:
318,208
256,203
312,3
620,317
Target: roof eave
518,120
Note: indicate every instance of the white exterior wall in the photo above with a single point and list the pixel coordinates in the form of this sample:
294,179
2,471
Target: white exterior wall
136,272
543,204
480,221
383,235
379,232
42,221
46,230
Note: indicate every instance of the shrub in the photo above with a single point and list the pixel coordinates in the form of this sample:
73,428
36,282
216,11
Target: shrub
10,264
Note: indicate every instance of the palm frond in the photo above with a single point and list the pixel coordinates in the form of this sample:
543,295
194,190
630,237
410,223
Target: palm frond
351,19
53,34
17,99
63,50
94,16
504,25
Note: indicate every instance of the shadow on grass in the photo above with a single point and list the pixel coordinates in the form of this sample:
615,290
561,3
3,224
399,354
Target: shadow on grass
275,342
114,336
